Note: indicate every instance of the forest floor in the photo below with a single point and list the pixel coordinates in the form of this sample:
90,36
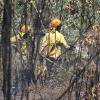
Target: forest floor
51,89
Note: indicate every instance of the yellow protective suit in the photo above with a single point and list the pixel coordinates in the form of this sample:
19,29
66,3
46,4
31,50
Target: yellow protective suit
52,43
20,43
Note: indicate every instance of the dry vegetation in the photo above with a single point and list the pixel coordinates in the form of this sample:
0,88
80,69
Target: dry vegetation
78,76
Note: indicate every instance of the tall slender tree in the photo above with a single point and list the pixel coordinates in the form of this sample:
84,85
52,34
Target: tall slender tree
6,49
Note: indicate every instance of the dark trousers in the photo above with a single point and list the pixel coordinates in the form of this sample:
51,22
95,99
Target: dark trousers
30,77
51,67
25,78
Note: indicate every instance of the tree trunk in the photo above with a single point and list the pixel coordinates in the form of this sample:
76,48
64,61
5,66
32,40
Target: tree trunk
6,49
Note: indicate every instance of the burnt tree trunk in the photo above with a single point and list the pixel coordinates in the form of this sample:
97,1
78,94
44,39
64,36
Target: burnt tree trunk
6,49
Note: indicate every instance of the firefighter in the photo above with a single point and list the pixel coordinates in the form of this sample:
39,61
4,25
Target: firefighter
52,43
21,42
